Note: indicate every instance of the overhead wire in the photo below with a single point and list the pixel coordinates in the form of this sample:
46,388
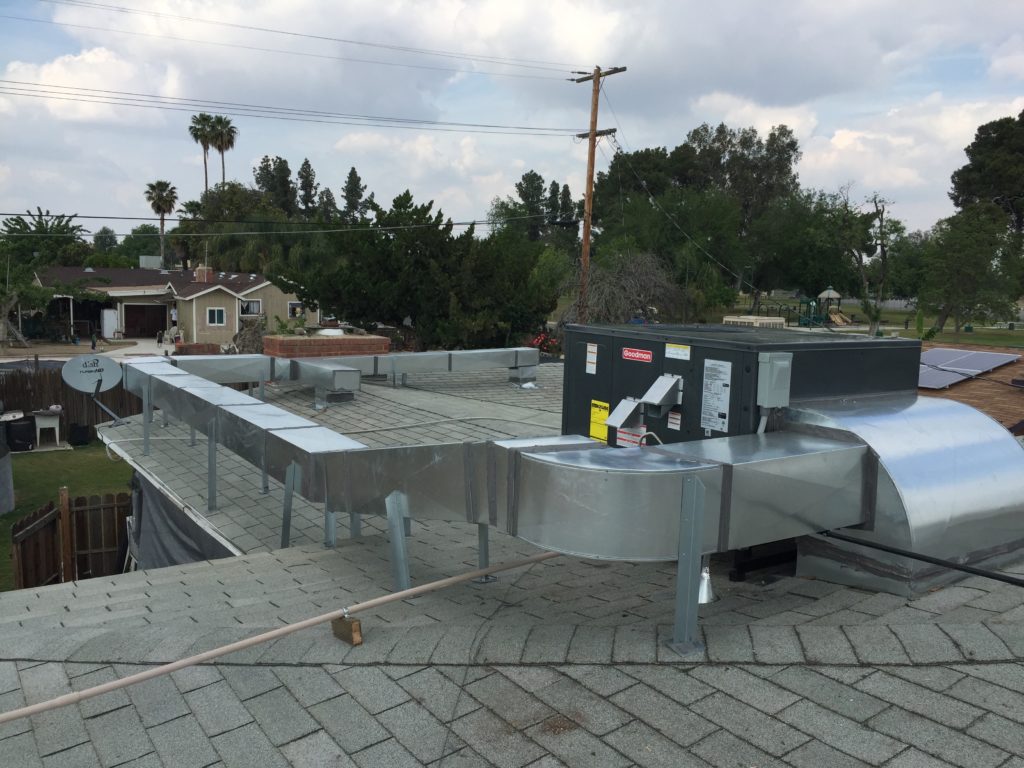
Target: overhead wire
260,49
291,114
258,233
538,64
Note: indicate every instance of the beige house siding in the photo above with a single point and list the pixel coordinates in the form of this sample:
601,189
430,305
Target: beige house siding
276,303
193,313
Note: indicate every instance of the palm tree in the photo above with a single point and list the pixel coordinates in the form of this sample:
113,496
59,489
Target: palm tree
201,131
162,196
222,138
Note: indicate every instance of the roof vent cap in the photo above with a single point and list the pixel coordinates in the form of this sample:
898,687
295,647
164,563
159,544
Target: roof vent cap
88,269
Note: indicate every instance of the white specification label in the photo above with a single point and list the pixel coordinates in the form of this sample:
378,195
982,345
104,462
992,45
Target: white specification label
677,351
714,407
675,420
592,358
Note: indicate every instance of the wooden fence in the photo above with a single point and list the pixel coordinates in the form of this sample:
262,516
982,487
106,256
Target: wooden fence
78,538
35,390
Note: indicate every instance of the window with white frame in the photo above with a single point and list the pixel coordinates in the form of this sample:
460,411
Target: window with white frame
296,309
215,316
250,307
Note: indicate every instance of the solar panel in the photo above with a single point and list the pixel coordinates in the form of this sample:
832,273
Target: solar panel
942,367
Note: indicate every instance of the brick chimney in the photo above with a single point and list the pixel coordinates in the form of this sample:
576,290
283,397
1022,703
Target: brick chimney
204,274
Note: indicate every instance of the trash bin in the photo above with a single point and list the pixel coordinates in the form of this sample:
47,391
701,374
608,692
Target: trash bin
1010,326
79,434
21,434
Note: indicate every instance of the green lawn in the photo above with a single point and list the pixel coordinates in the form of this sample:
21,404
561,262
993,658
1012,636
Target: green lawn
38,477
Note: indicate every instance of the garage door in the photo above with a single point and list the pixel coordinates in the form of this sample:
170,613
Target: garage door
143,321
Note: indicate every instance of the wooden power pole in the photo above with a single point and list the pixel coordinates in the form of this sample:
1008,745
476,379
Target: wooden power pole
588,200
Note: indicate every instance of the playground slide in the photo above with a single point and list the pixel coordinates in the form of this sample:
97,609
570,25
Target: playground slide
838,318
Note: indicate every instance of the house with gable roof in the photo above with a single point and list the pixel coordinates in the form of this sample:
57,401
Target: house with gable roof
205,306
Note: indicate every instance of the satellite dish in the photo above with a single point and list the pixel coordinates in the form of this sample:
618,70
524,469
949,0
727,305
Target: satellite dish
91,373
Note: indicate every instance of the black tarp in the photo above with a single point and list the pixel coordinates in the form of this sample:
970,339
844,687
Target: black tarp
164,534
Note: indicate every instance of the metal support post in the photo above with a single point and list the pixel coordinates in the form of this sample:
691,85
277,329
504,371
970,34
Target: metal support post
407,524
397,504
483,552
355,525
211,465
192,436
263,389
147,416
330,527
292,478
265,476
685,638
163,417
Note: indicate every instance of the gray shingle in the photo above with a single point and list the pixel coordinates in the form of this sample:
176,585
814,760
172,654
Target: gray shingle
420,732
348,723
841,733
388,753
310,685
724,750
246,747
442,698
582,706
181,743
317,750
575,746
938,740
119,736
280,716
509,701
374,690
759,729
746,687
495,740
935,706
649,748
217,708
82,756
661,713
840,698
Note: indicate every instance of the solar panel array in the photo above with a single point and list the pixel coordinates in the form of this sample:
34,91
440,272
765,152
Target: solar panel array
942,367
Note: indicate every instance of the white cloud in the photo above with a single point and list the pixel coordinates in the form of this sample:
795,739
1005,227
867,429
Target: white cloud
736,111
1008,59
872,90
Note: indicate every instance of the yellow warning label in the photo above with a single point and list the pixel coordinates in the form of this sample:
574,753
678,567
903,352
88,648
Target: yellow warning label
598,413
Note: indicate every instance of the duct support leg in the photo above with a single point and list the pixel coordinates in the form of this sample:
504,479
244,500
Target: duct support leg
292,478
483,551
263,389
264,477
355,525
397,504
330,527
192,436
211,466
685,638
164,421
147,416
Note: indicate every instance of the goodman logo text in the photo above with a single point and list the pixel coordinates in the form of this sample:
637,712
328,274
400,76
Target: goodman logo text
637,355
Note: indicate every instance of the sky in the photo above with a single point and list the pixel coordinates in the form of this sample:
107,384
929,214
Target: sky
883,95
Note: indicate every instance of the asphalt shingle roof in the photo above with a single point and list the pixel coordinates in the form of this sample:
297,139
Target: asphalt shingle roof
561,663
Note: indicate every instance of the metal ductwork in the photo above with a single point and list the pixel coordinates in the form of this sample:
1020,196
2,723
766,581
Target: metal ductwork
855,448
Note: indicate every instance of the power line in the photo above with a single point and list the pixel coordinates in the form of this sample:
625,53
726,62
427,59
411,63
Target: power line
658,205
370,228
259,49
179,104
552,66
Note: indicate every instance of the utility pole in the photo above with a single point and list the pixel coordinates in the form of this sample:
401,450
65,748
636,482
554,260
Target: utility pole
588,200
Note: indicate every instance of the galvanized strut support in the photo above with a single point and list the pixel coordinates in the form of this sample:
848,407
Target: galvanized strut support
211,465
397,504
685,637
292,479
484,552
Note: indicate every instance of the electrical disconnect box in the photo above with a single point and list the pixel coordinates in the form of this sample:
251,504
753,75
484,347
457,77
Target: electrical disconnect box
690,382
